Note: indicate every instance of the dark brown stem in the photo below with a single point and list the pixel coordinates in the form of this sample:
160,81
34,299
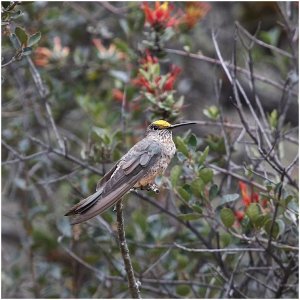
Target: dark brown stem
132,283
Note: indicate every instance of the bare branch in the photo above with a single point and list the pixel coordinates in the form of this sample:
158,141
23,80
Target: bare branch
261,43
226,250
230,66
132,282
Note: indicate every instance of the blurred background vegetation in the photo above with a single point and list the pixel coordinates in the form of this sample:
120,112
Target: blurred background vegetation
73,102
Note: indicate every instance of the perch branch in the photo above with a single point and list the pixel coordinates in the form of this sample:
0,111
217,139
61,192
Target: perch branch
132,283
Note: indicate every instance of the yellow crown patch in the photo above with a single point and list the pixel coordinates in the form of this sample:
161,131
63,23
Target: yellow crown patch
162,124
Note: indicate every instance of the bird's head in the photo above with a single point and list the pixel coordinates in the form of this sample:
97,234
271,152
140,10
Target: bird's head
164,126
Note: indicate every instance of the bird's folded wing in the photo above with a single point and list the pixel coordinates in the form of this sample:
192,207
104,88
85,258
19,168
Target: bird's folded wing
125,176
106,177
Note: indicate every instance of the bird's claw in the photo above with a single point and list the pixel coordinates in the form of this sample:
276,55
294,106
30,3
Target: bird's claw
153,187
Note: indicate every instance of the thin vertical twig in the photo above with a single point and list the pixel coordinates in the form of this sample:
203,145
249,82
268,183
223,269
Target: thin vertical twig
132,282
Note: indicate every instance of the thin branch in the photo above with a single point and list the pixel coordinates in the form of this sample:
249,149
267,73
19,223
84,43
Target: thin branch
239,177
149,268
239,69
66,155
226,250
260,282
120,11
272,159
132,282
261,43
43,92
9,62
276,210
238,126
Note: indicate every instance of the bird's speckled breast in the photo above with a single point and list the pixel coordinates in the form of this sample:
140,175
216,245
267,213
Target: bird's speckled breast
167,153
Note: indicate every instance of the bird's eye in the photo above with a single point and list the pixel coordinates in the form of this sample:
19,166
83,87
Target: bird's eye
154,127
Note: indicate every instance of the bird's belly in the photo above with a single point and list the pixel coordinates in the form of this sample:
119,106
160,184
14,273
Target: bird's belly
154,171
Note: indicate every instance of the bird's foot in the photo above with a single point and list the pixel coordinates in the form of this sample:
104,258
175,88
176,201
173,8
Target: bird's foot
152,187
133,189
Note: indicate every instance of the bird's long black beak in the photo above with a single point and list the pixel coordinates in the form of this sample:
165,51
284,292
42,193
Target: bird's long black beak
181,124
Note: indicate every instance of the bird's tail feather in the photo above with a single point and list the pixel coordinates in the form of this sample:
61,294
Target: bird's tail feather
101,201
85,204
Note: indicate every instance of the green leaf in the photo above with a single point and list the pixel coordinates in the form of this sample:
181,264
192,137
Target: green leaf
229,198
33,39
261,220
22,35
293,206
206,175
183,290
181,146
14,40
281,226
271,36
203,156
189,217
216,143
192,142
288,198
227,217
212,112
184,194
197,187
175,174
197,208
27,51
225,239
121,45
213,192
253,212
273,118
275,229
182,261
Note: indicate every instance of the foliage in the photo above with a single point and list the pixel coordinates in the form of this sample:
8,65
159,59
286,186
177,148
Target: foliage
80,83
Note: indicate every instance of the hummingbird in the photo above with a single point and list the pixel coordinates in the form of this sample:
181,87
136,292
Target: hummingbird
137,169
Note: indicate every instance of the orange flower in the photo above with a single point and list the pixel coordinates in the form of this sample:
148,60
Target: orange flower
110,52
118,95
160,16
248,199
43,55
194,11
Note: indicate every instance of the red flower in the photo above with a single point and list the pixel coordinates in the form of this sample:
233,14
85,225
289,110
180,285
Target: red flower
160,16
264,203
143,82
194,11
255,197
239,215
175,71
